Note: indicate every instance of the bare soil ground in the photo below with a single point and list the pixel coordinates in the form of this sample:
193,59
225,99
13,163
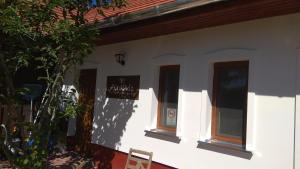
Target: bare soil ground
69,160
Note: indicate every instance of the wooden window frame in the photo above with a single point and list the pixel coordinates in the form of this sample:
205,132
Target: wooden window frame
160,99
217,67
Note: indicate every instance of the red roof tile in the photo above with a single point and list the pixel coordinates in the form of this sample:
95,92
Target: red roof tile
132,6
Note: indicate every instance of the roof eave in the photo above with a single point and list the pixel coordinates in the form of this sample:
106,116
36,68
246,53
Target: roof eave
156,11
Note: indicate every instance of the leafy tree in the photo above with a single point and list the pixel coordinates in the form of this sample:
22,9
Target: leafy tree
52,36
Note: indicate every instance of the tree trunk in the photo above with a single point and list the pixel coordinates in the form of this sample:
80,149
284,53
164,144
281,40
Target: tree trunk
8,80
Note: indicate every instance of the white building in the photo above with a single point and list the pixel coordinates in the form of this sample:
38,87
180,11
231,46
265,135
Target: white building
220,92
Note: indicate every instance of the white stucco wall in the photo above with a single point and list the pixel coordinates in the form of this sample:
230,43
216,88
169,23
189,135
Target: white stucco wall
269,44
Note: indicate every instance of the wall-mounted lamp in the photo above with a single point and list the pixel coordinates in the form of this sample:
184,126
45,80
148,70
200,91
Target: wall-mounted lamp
120,58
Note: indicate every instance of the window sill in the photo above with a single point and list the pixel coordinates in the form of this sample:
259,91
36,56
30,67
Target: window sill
163,135
225,148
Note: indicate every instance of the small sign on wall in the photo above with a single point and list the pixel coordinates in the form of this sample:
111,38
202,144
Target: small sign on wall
123,87
171,116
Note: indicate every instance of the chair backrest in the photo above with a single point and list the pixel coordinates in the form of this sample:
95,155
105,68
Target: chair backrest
138,159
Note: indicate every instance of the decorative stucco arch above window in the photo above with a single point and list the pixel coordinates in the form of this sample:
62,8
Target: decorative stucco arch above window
153,129
223,55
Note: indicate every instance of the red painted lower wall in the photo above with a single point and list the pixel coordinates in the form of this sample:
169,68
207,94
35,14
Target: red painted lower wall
106,158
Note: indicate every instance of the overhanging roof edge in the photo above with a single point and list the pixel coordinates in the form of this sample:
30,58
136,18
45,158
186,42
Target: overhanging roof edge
159,10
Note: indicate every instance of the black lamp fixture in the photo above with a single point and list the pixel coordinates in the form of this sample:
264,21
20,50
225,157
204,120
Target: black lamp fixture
120,58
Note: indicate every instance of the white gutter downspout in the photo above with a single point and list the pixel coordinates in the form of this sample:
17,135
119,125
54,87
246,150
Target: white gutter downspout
297,115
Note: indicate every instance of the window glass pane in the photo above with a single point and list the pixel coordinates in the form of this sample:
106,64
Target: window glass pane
231,101
169,85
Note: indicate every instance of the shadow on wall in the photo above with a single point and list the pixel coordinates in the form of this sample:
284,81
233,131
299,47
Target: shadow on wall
111,121
108,127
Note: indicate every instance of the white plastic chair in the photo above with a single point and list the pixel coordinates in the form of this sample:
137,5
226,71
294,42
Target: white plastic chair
138,159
